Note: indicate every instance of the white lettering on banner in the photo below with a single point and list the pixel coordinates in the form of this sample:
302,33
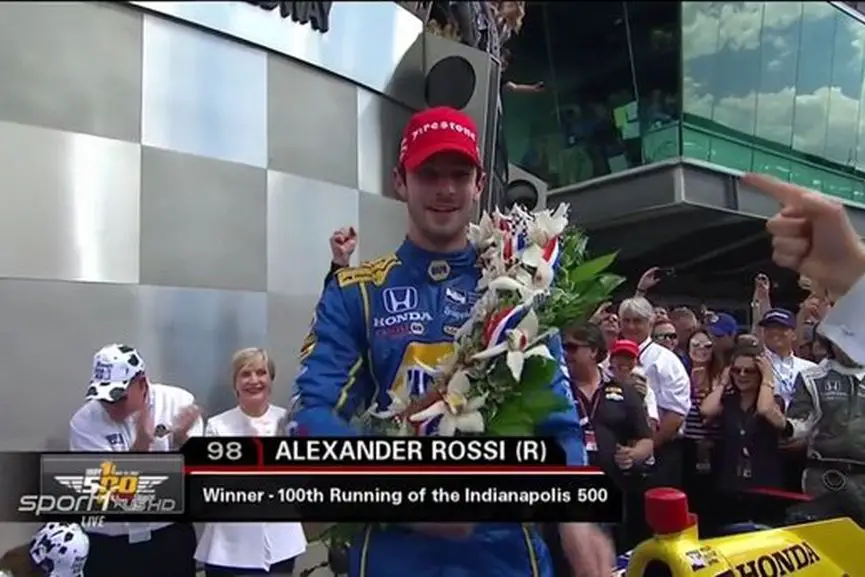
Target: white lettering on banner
371,449
412,317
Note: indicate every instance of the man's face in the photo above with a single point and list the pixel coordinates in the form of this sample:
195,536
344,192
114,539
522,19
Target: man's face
131,403
610,325
818,351
440,196
634,328
621,366
579,354
778,338
685,326
665,335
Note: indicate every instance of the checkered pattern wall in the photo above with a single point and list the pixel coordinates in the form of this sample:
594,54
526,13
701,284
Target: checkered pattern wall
173,189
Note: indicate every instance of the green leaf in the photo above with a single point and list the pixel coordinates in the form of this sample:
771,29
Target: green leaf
612,281
542,404
591,269
525,429
510,421
538,373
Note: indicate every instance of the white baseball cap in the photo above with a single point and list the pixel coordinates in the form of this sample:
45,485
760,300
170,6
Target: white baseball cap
114,367
60,549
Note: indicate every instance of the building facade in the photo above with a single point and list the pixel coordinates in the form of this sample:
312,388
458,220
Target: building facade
172,172
652,110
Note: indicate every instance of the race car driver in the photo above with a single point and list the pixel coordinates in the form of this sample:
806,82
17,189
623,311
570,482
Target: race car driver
827,411
379,326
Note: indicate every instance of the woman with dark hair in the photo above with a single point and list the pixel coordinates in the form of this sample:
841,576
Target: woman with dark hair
706,369
751,417
701,439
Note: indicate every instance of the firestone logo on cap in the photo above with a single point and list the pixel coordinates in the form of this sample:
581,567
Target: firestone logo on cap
439,125
432,126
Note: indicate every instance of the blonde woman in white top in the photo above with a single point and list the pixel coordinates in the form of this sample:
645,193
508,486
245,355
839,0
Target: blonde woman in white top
233,549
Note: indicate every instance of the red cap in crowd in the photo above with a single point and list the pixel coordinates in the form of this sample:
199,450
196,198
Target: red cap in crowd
625,347
435,130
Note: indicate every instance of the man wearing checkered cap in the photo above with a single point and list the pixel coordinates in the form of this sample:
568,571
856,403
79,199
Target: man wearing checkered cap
125,411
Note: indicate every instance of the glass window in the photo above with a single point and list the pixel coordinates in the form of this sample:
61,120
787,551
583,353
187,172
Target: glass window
594,89
613,79
737,66
845,92
530,123
779,57
653,31
814,77
700,28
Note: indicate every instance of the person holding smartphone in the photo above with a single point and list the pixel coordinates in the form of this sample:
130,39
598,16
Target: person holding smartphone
606,318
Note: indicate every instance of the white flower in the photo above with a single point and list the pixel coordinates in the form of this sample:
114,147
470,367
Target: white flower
535,272
398,405
483,233
520,344
546,225
518,284
482,309
498,219
458,412
488,276
399,402
465,329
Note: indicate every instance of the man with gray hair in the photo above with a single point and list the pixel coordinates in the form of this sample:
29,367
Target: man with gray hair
669,381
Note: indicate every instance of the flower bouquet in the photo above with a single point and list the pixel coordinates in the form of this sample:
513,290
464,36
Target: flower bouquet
535,279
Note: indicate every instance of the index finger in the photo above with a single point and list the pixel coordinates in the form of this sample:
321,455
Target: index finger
784,192
788,194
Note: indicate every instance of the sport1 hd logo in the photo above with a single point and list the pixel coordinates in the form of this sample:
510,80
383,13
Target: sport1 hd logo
99,492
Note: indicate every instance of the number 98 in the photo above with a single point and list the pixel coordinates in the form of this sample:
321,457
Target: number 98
219,451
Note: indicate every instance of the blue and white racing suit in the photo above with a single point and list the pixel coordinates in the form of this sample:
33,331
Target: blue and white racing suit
380,326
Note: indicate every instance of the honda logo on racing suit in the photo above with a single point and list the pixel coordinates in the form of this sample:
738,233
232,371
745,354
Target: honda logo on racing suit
402,318
400,299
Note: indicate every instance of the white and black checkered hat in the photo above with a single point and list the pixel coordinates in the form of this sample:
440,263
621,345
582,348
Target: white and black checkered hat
60,550
114,367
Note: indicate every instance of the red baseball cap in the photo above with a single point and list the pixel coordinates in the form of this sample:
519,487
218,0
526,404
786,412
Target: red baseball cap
625,347
435,130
